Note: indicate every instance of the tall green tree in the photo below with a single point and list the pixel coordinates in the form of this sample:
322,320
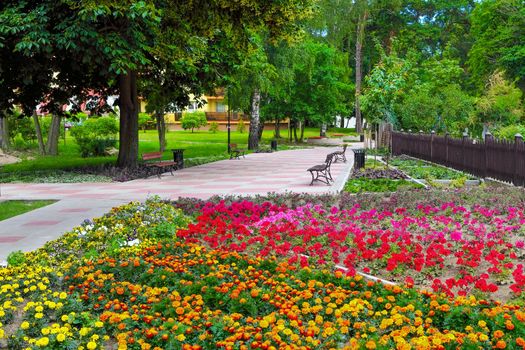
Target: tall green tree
115,42
498,27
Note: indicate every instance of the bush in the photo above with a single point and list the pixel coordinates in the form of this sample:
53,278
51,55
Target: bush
146,121
193,120
214,127
510,131
21,125
241,127
93,136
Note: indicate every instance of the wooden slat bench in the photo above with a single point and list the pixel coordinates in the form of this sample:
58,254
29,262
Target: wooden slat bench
322,172
340,155
235,152
154,160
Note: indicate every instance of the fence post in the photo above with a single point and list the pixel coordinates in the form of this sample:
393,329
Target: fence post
446,148
518,140
432,134
463,150
421,147
488,139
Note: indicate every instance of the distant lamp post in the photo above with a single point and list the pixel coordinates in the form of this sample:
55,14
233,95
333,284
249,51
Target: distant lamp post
229,120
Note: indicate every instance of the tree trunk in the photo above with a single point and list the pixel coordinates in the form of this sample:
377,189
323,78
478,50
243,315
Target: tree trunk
277,133
253,138
53,135
161,129
302,130
129,121
38,131
4,132
260,131
358,66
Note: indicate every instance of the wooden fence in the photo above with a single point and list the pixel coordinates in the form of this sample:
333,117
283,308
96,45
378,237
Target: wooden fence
498,159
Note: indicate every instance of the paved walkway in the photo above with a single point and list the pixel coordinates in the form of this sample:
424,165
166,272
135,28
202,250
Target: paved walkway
256,174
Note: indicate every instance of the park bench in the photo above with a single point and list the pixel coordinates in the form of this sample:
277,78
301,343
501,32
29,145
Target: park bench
236,152
322,172
340,155
154,160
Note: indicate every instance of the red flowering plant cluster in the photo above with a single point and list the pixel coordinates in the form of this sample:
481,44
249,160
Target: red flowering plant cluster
448,248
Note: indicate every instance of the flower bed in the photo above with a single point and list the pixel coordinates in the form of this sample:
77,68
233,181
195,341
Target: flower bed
237,278
419,169
448,248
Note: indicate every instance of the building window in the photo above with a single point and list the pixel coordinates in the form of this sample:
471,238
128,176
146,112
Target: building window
220,107
193,106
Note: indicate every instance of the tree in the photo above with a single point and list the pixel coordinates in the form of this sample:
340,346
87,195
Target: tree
192,120
501,105
498,27
249,80
116,42
384,87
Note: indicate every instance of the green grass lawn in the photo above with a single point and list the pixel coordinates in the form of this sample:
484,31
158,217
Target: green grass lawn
8,209
199,146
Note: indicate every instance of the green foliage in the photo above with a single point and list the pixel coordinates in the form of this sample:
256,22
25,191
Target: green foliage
193,120
16,258
498,27
214,127
146,121
241,126
501,104
384,88
94,135
509,132
20,125
377,185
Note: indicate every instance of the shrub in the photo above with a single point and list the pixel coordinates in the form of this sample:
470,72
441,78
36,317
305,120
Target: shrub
214,127
510,131
146,121
241,127
21,125
193,120
93,136
16,258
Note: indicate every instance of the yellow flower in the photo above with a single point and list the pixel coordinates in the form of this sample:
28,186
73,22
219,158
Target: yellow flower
99,324
62,295
181,337
91,345
264,324
61,337
24,325
42,341
39,315
45,331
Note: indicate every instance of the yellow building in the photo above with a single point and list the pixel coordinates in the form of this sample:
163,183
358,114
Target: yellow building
216,110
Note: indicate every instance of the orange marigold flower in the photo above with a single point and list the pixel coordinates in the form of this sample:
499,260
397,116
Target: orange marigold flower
498,334
501,344
370,344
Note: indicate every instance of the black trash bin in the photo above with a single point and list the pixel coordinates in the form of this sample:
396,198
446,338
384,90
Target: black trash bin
274,145
178,157
359,158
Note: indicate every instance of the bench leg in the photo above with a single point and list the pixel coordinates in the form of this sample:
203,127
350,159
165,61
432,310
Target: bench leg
320,176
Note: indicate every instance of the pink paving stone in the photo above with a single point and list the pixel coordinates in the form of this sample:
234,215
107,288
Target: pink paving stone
10,239
74,210
41,223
